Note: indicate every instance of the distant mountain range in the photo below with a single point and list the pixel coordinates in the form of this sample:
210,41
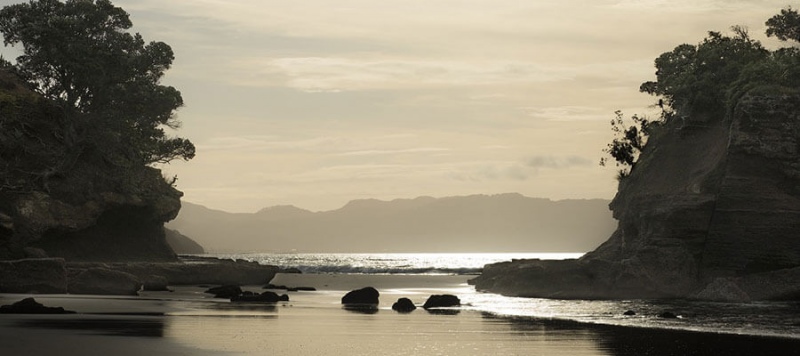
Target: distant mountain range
476,223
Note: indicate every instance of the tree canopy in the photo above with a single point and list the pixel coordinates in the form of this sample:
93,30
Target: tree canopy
79,55
705,81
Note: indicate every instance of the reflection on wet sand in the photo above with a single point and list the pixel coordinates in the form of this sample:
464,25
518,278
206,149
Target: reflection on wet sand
634,341
134,326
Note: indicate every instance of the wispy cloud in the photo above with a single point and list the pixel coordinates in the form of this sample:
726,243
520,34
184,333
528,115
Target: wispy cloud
558,162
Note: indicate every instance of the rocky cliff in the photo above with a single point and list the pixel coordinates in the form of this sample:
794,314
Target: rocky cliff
711,211
59,197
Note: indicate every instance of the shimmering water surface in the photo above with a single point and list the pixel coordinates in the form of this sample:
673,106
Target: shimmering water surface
759,318
190,322
390,263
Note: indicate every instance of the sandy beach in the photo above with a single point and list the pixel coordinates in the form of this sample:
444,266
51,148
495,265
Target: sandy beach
189,322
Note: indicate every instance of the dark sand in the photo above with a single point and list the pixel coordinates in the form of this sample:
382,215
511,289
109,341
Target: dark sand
188,322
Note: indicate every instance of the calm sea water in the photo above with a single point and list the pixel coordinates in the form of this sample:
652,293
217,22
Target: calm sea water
758,318
390,263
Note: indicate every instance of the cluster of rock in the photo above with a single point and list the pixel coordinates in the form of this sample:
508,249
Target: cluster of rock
55,275
235,294
367,299
710,211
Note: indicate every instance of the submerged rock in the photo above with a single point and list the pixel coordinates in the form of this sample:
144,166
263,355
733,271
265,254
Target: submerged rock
31,306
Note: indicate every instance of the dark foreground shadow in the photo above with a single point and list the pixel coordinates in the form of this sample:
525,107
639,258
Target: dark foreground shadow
634,341
134,327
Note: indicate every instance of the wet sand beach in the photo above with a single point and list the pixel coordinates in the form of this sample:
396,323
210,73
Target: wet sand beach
189,322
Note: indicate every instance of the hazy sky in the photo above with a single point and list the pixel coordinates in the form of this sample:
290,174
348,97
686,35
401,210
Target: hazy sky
314,103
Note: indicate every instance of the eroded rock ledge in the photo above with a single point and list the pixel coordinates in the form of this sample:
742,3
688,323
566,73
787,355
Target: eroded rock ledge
710,211
56,276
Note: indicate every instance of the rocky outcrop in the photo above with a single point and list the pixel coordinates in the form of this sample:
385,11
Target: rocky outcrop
54,275
193,270
711,210
48,275
61,195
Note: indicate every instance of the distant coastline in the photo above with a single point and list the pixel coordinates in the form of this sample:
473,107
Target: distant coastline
476,223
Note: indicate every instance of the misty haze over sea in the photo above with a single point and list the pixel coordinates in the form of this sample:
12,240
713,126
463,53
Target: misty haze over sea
476,223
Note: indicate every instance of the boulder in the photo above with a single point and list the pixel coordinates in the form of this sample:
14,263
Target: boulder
226,291
39,276
442,301
103,281
367,295
629,313
404,305
31,306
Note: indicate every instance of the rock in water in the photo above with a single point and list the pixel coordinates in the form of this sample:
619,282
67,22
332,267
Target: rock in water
404,305
442,301
266,297
367,295
31,306
708,199
227,291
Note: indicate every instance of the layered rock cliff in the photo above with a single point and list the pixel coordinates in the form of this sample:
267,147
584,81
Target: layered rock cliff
711,211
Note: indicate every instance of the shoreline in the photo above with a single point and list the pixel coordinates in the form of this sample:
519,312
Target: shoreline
187,321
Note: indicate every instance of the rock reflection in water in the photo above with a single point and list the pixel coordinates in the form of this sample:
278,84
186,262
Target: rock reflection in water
145,326
635,341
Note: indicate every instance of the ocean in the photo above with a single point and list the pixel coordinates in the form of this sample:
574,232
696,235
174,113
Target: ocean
774,319
187,321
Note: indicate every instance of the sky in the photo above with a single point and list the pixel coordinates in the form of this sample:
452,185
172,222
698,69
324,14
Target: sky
315,103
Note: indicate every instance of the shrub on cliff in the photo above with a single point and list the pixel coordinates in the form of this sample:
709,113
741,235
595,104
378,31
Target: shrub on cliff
697,83
102,85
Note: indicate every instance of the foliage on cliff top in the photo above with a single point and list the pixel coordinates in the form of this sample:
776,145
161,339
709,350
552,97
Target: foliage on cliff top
696,83
99,94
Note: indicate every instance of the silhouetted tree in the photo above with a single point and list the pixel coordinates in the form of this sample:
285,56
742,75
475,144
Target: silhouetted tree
785,26
702,81
79,55
629,140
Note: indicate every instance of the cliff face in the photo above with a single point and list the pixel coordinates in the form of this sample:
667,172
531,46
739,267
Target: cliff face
59,201
709,203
